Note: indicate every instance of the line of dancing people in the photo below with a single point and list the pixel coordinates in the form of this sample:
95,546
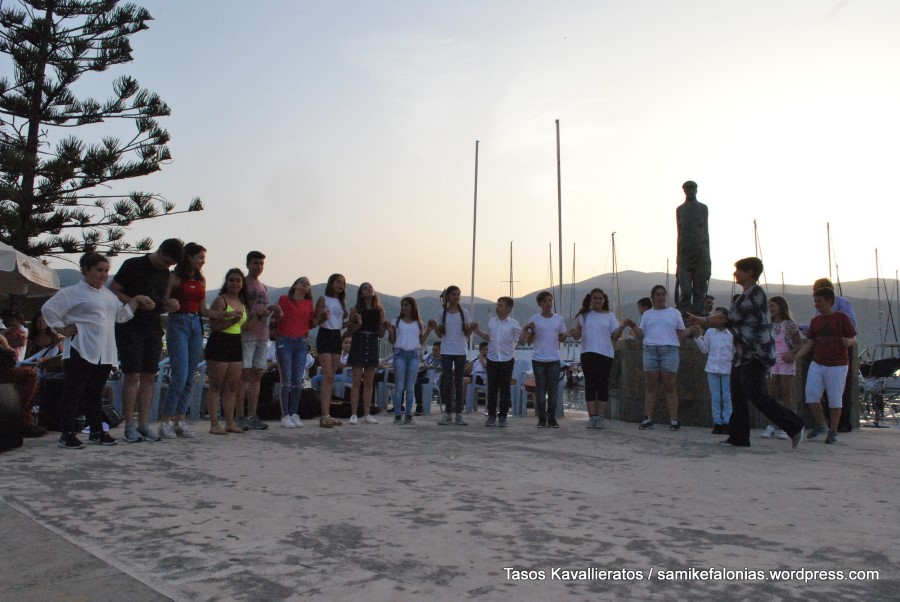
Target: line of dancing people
120,324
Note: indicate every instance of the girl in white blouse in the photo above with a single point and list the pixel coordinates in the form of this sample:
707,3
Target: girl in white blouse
86,314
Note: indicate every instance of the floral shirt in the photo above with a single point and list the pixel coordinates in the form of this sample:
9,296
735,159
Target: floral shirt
751,325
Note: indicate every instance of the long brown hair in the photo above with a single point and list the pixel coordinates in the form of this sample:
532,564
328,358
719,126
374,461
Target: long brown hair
586,302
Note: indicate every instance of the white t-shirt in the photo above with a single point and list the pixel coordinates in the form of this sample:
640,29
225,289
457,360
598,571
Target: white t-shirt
336,319
546,338
454,340
659,326
597,329
407,336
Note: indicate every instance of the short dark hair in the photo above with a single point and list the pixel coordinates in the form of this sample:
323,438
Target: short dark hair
823,283
482,344
90,259
825,293
507,301
754,265
645,302
689,184
254,255
172,248
543,295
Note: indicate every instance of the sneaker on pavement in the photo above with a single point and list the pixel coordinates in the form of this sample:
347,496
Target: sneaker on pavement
831,437
183,430
491,421
398,419
102,438
370,419
592,422
552,423
797,438
408,420
353,419
645,424
287,422
460,421
780,434
446,419
599,423
673,425
256,424
131,434
167,430
541,423
70,441
501,421
297,422
241,421
767,434
148,435
819,430
418,413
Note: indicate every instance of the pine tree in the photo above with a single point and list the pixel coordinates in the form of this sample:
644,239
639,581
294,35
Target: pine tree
57,192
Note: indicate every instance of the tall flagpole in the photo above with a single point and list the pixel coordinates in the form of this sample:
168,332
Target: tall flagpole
474,222
559,214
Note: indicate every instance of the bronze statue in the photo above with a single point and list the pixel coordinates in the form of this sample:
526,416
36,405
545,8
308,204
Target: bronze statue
693,265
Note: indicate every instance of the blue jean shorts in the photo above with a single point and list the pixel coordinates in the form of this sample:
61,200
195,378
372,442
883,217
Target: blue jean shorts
661,358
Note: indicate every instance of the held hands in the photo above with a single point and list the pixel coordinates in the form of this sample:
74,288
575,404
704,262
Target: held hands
432,324
237,316
694,320
144,302
628,322
326,315
276,311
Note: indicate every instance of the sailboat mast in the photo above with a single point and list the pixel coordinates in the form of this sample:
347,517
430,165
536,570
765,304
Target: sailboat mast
510,271
559,212
474,224
878,294
828,231
616,278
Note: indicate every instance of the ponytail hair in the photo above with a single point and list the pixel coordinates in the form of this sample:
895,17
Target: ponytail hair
445,295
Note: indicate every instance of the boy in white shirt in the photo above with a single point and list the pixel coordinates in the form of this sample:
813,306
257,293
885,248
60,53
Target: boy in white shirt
503,335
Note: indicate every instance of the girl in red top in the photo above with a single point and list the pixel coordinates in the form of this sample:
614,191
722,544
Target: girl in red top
291,331
184,338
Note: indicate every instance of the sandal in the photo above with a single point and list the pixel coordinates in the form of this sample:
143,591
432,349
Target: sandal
234,429
218,429
326,422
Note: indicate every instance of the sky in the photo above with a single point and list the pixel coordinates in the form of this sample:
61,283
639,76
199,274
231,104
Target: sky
340,136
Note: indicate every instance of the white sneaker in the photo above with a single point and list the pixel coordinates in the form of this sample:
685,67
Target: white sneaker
767,434
370,419
782,435
297,422
182,429
287,422
353,419
167,430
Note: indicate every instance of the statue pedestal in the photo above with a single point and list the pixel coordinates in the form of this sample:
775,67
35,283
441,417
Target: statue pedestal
627,398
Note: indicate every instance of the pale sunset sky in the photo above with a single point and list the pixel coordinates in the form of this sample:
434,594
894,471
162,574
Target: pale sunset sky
340,136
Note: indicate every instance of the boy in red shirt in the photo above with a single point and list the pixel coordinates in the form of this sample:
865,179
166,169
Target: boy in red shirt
830,335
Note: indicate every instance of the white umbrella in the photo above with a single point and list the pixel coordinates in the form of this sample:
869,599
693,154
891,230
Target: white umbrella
24,275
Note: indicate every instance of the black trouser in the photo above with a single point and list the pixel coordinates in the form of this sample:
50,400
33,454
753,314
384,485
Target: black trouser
596,368
748,383
83,392
499,375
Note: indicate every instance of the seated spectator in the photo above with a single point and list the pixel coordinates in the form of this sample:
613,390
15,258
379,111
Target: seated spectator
16,334
25,379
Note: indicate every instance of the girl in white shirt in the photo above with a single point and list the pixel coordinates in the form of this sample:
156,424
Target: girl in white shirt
546,330
454,329
406,335
87,314
719,344
331,317
661,330
597,328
